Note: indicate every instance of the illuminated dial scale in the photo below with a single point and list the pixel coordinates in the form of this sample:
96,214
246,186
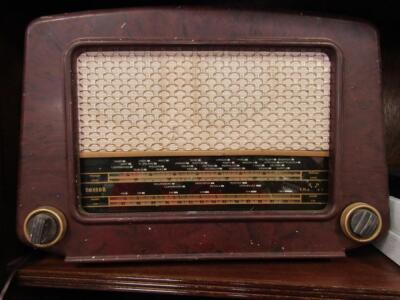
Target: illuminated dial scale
115,184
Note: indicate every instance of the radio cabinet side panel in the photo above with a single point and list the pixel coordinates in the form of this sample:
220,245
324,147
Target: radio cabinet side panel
48,161
42,164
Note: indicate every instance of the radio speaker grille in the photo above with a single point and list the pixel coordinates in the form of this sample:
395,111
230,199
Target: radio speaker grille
180,99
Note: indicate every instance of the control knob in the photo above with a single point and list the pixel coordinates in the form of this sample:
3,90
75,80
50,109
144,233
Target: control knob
44,227
361,222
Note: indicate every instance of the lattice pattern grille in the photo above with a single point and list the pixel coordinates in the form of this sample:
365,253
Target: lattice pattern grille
203,100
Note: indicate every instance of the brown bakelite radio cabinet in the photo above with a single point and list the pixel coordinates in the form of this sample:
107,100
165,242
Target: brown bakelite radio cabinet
199,133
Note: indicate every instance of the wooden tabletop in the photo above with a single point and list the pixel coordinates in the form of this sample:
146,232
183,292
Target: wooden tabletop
366,274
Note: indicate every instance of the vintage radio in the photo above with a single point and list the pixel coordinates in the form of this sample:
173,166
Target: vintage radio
194,133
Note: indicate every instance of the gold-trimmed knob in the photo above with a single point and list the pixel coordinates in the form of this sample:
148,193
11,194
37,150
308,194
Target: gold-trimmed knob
361,222
44,226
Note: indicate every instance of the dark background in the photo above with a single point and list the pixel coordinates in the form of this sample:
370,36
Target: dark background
13,22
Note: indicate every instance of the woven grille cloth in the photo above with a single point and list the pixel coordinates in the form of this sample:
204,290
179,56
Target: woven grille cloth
203,100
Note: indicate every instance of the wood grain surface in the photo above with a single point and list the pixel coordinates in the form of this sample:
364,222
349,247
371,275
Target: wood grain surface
366,274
